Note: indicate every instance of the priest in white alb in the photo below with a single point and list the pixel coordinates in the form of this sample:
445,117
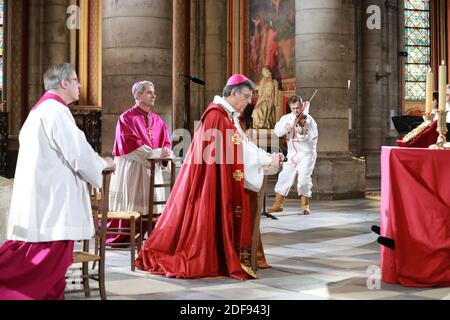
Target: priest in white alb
50,205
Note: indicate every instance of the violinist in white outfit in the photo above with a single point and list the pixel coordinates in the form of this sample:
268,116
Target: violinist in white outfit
301,134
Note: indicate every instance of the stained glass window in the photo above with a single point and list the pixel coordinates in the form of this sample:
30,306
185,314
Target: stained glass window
417,44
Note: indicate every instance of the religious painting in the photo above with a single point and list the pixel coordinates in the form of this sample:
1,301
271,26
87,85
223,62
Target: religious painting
271,34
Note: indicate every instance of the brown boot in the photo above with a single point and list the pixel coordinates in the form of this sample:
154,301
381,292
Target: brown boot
304,201
278,205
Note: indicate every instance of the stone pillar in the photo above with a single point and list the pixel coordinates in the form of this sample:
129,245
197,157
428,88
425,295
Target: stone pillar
372,115
14,76
35,68
215,48
197,67
379,97
179,7
354,86
324,38
392,100
55,34
137,45
48,42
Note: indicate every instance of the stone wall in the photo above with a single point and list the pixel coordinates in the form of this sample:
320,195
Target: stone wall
137,45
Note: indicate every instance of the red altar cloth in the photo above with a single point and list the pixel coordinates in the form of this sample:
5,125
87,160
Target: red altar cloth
415,212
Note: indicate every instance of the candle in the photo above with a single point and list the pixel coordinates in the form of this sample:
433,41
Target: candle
442,85
429,97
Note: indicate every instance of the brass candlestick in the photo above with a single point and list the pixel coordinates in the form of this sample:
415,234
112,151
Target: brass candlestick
441,142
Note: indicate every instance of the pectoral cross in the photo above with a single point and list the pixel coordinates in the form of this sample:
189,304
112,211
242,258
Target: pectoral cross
149,129
150,133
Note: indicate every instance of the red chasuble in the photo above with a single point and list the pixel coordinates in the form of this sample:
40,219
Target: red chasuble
205,229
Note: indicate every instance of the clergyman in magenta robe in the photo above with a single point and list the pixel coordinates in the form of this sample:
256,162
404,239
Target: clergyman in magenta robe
140,134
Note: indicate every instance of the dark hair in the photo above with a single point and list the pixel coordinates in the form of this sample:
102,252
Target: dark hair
294,99
247,84
436,95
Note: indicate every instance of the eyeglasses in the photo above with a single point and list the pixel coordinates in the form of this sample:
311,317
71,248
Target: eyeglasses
73,79
246,95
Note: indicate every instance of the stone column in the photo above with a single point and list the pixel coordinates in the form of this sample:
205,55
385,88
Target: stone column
179,7
215,47
48,42
35,68
14,76
372,115
137,45
392,100
197,67
55,34
379,97
324,39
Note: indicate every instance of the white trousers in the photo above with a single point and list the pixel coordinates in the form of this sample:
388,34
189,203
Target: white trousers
301,167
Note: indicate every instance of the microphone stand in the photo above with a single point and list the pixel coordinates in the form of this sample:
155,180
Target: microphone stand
187,109
264,212
187,97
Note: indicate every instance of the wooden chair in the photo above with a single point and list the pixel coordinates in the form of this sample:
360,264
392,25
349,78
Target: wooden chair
95,254
152,216
133,231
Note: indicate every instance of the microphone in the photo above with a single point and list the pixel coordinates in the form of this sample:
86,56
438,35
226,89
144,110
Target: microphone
193,79
198,81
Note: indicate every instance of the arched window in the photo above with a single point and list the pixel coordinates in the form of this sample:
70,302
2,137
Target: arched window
418,46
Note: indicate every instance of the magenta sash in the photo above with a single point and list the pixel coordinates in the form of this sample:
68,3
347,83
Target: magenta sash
34,271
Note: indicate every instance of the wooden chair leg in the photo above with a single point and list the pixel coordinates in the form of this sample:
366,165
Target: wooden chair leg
96,250
150,225
101,279
85,277
140,238
132,241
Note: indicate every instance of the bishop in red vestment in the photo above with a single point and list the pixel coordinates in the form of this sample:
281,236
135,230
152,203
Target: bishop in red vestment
205,229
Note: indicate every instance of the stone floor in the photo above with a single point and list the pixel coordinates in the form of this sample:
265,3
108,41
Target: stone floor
326,255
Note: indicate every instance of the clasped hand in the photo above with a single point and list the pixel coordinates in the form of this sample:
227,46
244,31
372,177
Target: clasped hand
165,153
109,163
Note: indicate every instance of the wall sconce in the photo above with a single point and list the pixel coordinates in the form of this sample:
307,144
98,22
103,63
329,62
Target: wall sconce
386,74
